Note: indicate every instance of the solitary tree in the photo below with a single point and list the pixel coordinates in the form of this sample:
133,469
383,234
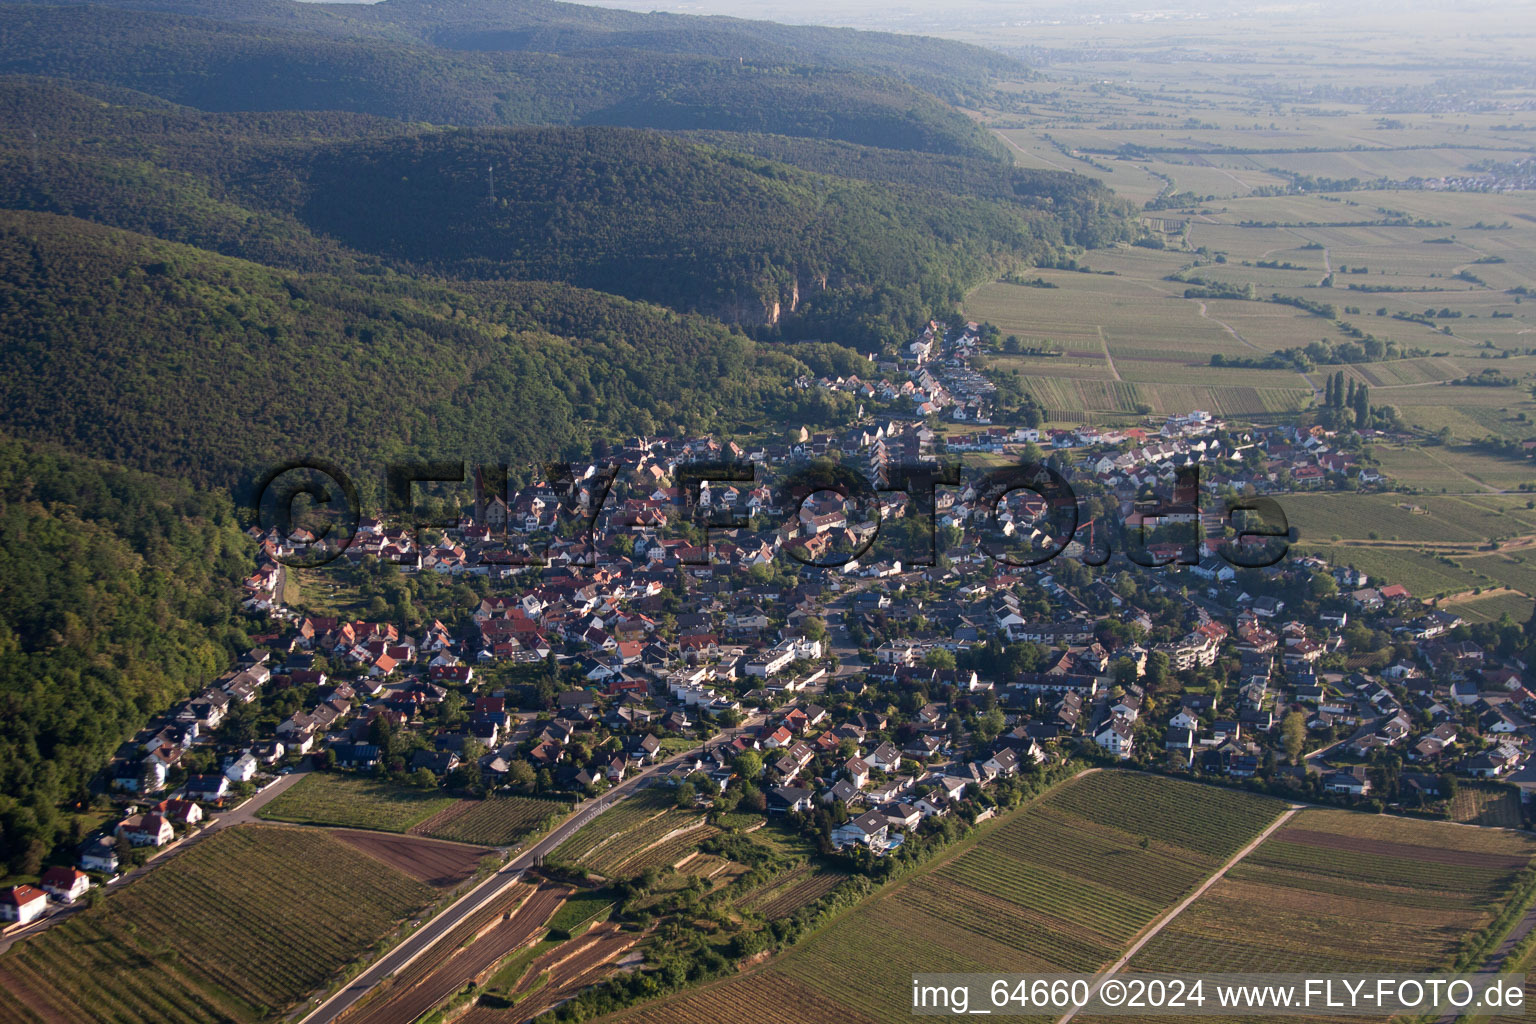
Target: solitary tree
1293,732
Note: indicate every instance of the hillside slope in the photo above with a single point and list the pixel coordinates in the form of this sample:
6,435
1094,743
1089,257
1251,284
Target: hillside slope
179,360
228,65
116,598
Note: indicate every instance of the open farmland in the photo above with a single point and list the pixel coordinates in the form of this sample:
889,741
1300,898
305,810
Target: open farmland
1143,347
1063,884
351,801
1342,891
1424,575
1450,520
285,909
494,821
765,997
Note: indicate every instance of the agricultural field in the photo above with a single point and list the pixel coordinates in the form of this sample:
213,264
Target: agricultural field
1461,469
1434,520
352,801
285,908
1492,608
441,865
497,820
1424,575
765,997
1063,884
1304,900
472,958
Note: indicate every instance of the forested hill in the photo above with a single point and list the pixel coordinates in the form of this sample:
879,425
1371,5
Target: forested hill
956,72
636,213
182,361
213,64
649,217
116,599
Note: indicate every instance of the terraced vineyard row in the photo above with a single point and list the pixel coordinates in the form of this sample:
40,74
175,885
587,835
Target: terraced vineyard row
284,908
667,853
763,998
611,824
791,891
612,858
465,963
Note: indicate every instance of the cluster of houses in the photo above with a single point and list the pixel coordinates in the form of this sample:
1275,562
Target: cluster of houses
653,632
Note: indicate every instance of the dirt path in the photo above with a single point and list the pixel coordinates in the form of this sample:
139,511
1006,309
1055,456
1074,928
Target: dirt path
1237,857
1466,595
1103,341
1032,156
1228,328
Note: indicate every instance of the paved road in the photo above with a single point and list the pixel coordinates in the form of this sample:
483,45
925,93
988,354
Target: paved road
1496,961
403,955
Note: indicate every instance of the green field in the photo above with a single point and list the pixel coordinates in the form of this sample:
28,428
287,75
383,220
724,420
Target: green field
1424,575
1062,885
237,928
1434,519
351,801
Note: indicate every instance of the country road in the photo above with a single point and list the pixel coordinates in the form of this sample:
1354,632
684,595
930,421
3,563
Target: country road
428,935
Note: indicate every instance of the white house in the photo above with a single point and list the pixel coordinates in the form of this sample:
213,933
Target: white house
66,884
22,903
870,829
146,830
242,768
1116,737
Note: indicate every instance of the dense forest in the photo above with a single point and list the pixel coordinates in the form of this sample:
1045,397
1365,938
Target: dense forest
956,72
851,252
217,65
116,598
182,361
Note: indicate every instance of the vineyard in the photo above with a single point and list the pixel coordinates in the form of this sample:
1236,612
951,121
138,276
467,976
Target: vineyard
1305,899
466,962
1062,885
666,853
351,801
235,929
635,835
1487,804
763,998
601,830
493,821
791,891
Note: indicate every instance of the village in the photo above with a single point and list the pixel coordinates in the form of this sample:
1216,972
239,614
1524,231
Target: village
805,668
